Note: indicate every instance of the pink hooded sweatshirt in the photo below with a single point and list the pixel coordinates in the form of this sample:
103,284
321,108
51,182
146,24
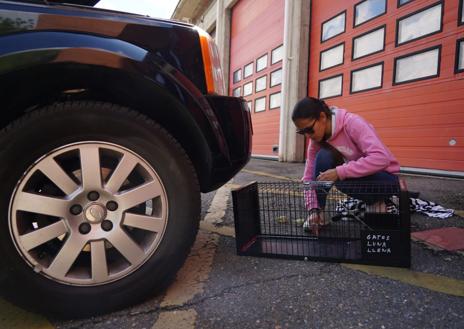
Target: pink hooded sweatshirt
362,149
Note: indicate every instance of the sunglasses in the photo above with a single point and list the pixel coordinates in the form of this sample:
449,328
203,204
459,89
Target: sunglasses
308,130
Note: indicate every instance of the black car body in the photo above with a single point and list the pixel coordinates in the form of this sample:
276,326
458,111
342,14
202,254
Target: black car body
111,124
56,52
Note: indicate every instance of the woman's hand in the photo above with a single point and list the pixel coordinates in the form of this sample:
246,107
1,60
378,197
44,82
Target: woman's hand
328,175
314,220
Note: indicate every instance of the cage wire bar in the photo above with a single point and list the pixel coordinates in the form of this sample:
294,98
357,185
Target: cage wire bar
366,223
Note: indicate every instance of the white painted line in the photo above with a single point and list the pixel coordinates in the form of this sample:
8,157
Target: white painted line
221,230
217,209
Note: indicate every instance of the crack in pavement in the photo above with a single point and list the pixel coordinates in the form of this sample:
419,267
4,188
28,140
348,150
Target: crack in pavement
199,301
322,270
229,289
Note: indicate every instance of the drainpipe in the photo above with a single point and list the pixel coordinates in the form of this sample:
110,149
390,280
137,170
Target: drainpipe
294,76
223,18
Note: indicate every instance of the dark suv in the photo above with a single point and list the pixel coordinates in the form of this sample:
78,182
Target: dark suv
111,126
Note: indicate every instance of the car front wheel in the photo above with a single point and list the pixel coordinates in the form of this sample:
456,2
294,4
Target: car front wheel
100,208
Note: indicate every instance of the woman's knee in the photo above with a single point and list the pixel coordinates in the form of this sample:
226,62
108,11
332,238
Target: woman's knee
324,161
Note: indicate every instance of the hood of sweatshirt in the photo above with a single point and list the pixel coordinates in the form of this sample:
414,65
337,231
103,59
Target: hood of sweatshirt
338,124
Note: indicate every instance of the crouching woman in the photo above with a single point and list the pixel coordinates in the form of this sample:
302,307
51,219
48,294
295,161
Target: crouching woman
343,147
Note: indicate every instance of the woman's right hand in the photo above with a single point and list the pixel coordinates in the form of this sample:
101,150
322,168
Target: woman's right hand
315,221
328,175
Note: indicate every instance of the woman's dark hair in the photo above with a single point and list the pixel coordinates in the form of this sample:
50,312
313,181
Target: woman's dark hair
310,108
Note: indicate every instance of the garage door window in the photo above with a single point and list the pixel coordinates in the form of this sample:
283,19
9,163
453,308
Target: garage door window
331,87
332,57
248,70
237,91
333,27
276,77
460,56
367,78
248,88
417,66
237,75
277,54
403,2
260,104
261,63
418,25
274,101
249,103
368,10
369,43
461,12
261,83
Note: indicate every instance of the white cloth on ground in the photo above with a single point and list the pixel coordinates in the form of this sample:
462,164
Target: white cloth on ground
427,208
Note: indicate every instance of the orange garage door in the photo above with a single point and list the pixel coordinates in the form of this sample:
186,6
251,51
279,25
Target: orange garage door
256,66
399,64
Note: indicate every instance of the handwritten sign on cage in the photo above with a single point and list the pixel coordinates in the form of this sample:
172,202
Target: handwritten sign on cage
380,244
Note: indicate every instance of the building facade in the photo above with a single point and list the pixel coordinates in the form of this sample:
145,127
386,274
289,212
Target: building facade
397,63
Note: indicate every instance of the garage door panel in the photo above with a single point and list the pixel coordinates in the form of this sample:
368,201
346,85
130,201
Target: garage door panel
427,141
384,111
418,121
422,153
435,91
267,36
433,163
409,115
440,132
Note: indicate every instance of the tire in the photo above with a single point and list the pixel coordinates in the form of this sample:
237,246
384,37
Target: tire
56,233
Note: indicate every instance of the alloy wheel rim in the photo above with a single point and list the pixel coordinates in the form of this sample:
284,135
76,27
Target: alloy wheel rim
88,213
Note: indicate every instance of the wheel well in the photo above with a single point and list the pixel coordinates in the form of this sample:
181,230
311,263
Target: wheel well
22,94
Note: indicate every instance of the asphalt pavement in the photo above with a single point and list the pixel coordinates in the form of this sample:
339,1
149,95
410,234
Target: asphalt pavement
218,289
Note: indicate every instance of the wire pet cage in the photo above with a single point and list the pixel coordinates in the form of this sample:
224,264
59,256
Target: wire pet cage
367,223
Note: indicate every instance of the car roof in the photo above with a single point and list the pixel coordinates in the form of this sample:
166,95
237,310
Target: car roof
89,3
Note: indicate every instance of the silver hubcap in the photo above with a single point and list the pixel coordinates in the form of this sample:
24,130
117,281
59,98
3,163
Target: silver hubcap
95,213
88,213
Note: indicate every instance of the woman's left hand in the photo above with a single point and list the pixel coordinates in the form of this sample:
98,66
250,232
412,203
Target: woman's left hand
328,175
